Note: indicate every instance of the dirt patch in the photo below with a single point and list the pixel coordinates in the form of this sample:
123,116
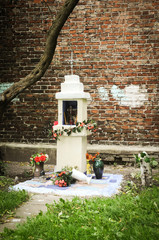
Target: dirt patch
20,171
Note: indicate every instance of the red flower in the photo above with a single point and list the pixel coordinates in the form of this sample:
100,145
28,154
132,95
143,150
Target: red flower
60,174
90,157
90,127
37,159
55,123
82,124
43,158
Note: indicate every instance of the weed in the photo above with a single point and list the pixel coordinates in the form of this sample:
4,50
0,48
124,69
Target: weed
136,176
130,187
115,164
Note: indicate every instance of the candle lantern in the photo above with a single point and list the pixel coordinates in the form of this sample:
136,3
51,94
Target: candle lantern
72,108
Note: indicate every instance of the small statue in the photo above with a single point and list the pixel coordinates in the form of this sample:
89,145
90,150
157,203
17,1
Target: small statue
70,116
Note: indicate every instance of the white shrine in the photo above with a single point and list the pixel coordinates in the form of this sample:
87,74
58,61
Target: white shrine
72,108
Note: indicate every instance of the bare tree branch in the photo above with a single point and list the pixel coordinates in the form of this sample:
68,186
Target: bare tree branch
46,58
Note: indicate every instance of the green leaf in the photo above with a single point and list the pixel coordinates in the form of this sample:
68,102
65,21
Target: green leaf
79,129
69,133
74,130
143,154
147,159
154,163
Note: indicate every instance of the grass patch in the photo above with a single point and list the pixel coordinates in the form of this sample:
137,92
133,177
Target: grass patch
5,182
9,200
122,217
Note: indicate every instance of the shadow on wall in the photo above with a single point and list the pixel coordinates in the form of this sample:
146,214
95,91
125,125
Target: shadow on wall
22,152
2,168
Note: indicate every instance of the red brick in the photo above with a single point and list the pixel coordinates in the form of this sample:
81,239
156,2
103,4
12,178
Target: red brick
113,47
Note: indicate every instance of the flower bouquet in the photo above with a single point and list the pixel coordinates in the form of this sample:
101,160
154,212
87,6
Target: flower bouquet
37,158
90,157
37,161
62,179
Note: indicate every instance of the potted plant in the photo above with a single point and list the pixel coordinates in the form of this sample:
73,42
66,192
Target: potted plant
37,162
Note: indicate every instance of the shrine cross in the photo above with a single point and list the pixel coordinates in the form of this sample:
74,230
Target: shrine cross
71,62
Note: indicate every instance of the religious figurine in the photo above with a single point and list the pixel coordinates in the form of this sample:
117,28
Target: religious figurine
70,116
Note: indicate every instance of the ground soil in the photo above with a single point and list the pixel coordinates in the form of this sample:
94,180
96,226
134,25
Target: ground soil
20,171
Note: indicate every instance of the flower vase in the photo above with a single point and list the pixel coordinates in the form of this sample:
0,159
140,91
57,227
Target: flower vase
39,169
98,167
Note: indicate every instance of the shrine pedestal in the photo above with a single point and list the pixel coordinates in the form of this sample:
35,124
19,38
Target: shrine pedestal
71,152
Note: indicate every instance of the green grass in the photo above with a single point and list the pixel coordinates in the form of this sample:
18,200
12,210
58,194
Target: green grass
9,200
125,217
5,182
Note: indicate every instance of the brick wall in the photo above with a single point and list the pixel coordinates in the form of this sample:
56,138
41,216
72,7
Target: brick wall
115,46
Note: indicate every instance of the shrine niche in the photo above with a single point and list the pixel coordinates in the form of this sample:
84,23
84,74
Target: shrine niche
69,112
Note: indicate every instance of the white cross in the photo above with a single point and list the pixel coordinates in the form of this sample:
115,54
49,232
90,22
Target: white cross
71,62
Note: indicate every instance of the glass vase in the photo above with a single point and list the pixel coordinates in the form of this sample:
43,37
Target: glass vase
98,167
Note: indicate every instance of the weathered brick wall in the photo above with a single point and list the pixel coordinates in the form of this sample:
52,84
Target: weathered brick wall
114,43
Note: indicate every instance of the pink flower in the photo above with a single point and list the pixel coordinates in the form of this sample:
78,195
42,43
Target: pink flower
56,182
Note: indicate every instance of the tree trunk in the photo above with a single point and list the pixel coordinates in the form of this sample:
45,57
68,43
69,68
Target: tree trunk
45,60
